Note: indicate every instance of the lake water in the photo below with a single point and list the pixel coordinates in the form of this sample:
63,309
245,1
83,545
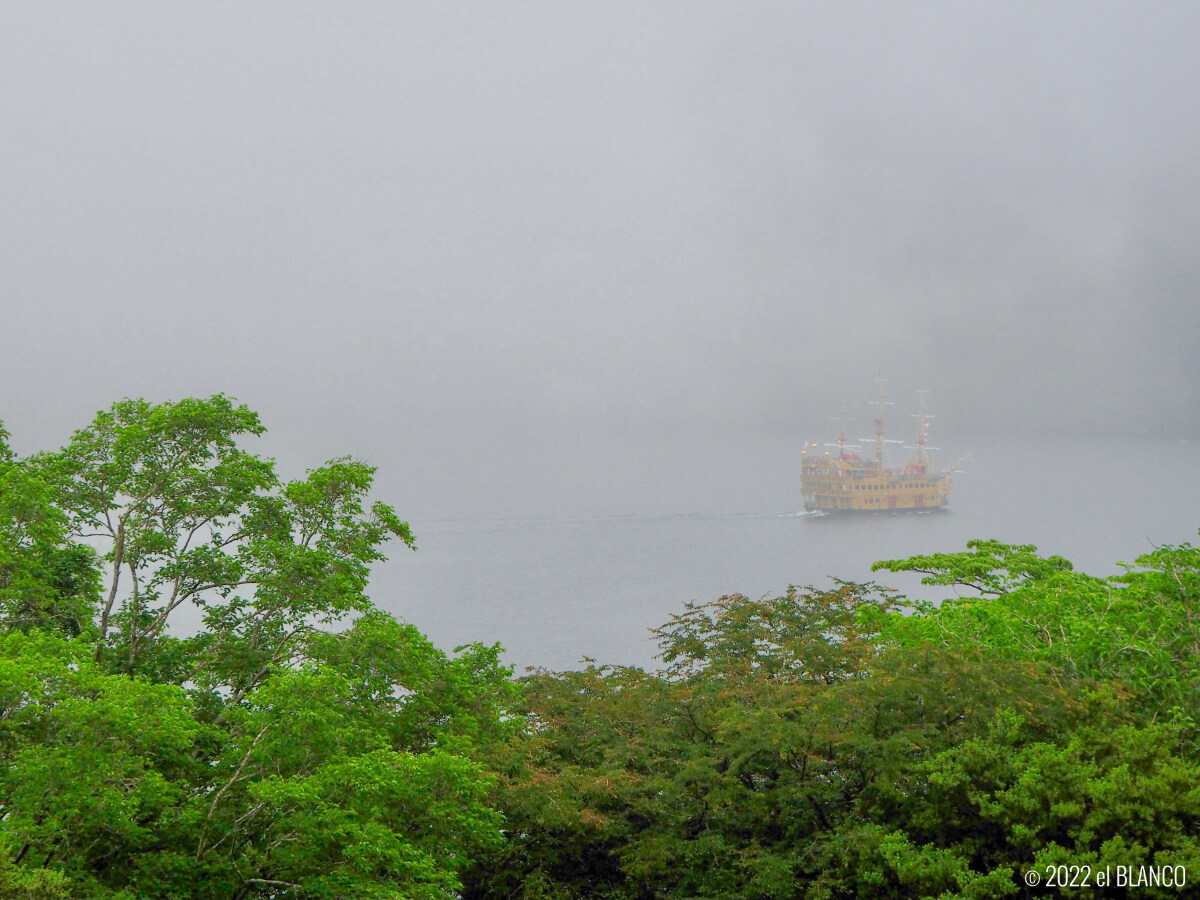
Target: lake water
613,555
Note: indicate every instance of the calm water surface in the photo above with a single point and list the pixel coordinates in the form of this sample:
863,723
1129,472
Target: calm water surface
590,582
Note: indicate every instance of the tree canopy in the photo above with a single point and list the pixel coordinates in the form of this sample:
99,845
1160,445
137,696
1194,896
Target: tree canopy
276,752
297,743
849,743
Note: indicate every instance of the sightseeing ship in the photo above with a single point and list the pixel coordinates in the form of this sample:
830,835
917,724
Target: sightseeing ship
846,482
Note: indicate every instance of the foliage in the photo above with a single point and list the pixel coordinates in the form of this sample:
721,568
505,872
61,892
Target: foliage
824,744
46,581
277,753
92,761
1139,631
988,567
188,517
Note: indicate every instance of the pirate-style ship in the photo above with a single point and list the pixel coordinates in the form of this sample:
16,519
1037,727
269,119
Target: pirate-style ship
846,482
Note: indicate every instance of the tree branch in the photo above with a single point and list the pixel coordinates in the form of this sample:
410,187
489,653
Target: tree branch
118,559
230,783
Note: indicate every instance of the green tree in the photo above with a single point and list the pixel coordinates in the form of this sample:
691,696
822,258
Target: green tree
46,580
349,773
92,763
162,485
1139,631
188,517
284,751
813,746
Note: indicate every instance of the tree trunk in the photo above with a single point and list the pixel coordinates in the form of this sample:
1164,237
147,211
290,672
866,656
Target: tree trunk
118,560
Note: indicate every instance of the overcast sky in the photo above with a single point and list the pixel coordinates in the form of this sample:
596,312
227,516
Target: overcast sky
411,224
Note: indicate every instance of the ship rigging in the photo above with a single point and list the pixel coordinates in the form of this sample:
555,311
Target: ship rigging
847,482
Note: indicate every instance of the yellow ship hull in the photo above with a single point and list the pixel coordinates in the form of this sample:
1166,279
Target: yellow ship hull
853,485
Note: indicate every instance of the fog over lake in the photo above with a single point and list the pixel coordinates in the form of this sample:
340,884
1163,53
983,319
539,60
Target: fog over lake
701,522
580,279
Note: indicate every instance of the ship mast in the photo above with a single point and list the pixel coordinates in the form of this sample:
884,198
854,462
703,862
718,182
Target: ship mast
922,444
841,444
922,416
880,404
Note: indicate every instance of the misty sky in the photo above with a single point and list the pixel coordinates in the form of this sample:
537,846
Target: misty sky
446,227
